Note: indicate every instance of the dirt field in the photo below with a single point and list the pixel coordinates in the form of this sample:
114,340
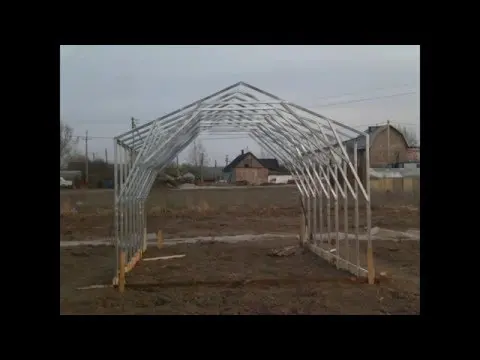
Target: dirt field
219,199
236,278
218,212
239,279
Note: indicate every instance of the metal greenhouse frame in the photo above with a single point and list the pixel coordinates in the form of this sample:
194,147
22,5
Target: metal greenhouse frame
310,145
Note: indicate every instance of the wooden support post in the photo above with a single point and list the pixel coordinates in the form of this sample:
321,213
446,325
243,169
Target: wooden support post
133,261
160,239
370,266
121,275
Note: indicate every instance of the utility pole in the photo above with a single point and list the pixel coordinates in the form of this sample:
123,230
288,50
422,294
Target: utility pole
93,156
133,125
195,152
86,157
215,171
388,142
106,156
85,138
226,164
201,168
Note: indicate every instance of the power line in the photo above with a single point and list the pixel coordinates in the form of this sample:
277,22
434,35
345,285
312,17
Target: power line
328,104
365,99
384,123
364,91
201,135
205,137
94,137
244,135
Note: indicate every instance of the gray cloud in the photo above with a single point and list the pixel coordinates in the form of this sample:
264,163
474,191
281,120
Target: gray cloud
103,86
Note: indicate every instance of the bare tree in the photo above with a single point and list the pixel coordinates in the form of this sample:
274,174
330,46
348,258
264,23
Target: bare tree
67,143
197,155
410,135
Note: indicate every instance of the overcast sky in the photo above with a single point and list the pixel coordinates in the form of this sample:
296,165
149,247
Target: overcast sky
102,87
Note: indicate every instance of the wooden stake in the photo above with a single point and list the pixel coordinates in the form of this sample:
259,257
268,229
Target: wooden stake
370,266
159,239
133,261
121,275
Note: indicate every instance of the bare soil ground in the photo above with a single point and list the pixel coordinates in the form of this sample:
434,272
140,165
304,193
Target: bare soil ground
232,278
239,278
101,201
228,222
216,212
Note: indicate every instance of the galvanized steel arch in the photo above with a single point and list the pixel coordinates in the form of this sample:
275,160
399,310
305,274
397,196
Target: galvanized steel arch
310,145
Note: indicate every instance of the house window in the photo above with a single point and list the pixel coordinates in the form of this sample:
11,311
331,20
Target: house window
247,165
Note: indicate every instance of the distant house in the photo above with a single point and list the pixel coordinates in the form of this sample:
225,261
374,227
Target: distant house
413,153
276,174
387,146
247,167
